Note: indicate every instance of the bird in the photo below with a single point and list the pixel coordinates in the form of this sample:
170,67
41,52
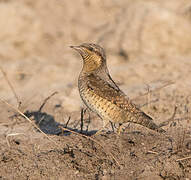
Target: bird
101,94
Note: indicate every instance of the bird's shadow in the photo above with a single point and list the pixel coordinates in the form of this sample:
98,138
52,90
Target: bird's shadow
48,125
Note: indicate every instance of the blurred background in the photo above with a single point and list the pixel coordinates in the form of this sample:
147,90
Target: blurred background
148,45
148,48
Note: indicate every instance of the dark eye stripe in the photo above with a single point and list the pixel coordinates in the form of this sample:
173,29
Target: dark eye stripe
90,48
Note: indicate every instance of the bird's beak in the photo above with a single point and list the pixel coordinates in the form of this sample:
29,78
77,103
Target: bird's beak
77,48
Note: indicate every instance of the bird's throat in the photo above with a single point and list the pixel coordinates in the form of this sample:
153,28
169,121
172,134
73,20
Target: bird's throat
91,64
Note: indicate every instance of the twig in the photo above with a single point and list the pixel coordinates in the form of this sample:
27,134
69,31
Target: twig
157,89
88,122
17,110
13,134
90,138
45,101
181,140
187,102
11,86
182,159
148,96
68,121
165,123
153,101
152,152
82,120
173,115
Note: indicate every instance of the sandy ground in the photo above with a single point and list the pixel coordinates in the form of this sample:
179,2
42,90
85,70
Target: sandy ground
148,46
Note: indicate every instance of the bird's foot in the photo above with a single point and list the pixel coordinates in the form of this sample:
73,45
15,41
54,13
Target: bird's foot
119,129
98,132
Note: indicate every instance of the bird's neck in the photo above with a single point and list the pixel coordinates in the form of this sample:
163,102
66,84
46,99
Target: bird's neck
92,68
92,63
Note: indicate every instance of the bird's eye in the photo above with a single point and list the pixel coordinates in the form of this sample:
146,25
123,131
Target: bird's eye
90,48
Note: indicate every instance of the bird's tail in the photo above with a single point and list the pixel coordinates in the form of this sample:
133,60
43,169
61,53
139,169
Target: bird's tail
148,122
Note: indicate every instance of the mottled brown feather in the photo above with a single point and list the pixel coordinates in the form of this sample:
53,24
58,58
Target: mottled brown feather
101,94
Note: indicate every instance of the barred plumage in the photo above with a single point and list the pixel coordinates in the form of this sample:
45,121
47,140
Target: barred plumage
100,93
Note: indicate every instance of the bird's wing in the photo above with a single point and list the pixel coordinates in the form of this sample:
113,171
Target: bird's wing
105,90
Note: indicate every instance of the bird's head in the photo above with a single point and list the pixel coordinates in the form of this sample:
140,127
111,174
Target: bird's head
93,56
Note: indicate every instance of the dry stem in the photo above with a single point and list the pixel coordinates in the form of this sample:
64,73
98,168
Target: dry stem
17,110
11,86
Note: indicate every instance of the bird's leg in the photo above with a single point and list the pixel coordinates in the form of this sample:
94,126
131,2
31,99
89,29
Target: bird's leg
119,129
105,123
112,126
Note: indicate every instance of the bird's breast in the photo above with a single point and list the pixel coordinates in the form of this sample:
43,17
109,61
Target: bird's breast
100,105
